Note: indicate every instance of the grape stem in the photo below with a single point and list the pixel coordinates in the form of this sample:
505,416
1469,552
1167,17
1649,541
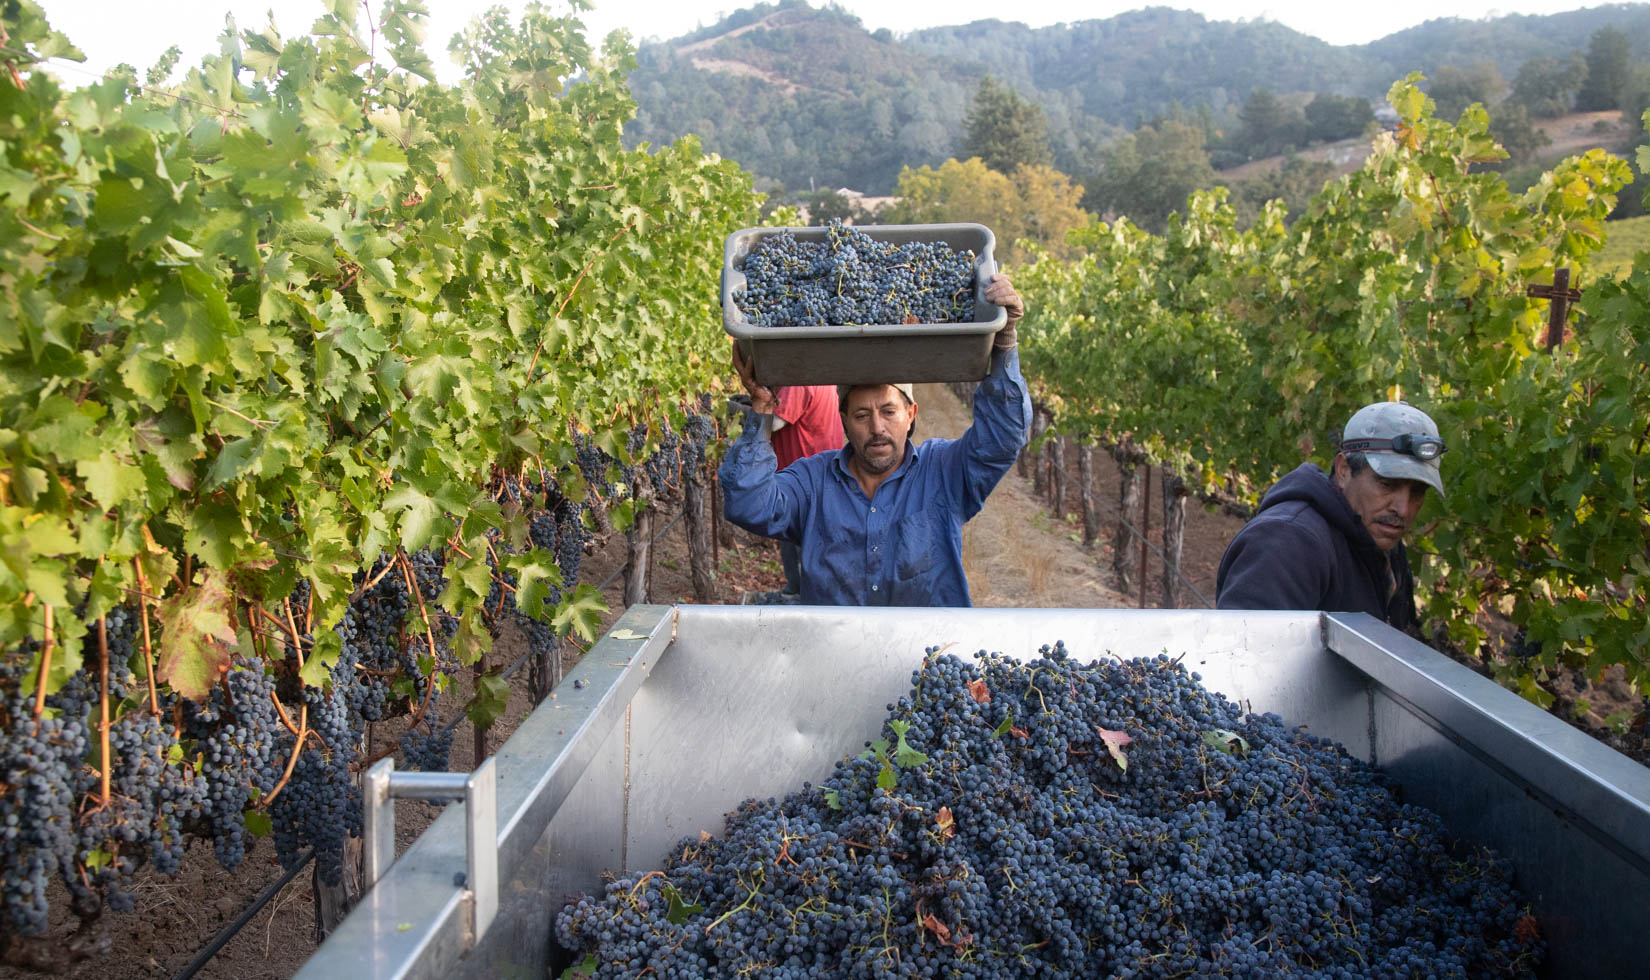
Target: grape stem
103,709
280,709
371,583
740,907
148,648
292,760
429,682
45,666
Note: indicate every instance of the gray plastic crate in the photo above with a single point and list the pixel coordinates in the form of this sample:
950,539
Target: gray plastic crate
887,353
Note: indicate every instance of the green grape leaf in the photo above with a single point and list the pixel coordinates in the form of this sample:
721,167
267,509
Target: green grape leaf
679,910
258,823
904,755
581,612
1226,741
492,696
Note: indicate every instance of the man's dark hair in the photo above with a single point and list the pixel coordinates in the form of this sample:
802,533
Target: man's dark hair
1356,463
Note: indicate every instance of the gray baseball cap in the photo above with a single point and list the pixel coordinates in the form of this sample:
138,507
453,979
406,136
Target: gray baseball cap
1400,441
843,390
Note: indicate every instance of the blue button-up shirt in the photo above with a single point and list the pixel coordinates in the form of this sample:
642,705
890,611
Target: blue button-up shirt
902,547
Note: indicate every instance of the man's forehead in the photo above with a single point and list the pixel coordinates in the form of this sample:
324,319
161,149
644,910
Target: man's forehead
875,397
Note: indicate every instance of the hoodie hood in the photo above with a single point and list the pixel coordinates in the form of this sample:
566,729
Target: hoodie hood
1309,484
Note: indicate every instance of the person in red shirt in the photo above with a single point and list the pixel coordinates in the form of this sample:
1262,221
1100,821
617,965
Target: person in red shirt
806,422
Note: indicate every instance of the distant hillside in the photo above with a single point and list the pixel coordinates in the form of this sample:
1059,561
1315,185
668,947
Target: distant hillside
803,96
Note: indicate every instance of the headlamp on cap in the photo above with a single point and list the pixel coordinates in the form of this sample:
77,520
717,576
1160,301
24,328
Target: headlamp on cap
1421,446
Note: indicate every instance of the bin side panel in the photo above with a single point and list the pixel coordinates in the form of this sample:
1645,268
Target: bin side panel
583,840
1587,898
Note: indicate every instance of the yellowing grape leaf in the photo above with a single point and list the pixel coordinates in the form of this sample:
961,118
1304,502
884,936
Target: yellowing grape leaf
197,635
1114,745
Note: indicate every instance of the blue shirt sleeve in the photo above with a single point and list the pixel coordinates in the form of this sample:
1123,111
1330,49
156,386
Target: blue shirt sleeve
1002,423
756,494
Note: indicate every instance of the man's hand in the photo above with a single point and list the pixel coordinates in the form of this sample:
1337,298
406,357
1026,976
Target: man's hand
763,400
1001,292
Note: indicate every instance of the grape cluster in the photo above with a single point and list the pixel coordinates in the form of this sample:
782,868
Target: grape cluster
243,751
427,751
40,763
678,453
850,278
1054,819
320,805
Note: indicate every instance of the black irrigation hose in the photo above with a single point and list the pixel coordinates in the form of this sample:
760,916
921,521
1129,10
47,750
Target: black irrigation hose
229,931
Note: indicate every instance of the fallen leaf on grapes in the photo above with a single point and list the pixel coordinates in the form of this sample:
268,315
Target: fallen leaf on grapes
1114,744
680,910
1227,741
911,318
938,928
979,691
1527,928
1018,732
947,823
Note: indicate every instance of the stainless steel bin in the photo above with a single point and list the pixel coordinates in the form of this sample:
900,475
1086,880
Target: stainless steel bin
689,710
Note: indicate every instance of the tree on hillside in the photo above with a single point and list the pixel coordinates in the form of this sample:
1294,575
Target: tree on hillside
826,205
1518,136
1453,89
1270,126
1005,130
1334,117
1609,62
1512,128
1149,174
1547,86
1035,202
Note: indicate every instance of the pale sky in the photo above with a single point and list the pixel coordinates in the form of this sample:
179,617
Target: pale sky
112,31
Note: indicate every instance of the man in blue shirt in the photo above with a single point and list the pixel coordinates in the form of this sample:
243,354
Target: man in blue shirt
879,522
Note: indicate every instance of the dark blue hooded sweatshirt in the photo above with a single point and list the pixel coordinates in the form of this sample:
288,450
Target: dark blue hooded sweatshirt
1307,549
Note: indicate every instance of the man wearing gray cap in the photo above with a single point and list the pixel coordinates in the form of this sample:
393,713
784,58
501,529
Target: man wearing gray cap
879,522
1335,541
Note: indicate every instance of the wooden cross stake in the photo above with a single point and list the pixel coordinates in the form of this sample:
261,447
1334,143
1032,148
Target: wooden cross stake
1562,296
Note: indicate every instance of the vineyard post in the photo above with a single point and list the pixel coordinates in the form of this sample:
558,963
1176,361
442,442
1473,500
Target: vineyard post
1145,531
716,529
1039,422
1174,533
639,543
477,671
1085,478
1128,499
1047,463
1561,296
699,535
1057,477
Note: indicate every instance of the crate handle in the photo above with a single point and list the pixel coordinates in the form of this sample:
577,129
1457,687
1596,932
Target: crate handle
478,790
